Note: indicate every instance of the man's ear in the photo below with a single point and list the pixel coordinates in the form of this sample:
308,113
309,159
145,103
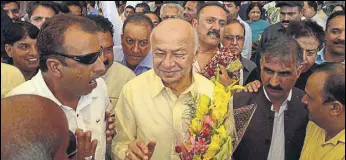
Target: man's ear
194,23
8,49
55,67
337,108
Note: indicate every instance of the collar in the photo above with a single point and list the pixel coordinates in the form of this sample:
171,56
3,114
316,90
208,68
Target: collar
289,97
320,56
340,137
44,91
147,62
158,86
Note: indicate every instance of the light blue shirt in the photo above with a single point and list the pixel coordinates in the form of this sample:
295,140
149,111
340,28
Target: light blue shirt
145,65
247,48
320,56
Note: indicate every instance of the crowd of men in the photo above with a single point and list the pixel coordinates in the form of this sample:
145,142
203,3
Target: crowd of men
109,80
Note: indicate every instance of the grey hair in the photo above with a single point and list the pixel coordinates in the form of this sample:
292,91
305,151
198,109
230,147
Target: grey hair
283,50
195,39
173,5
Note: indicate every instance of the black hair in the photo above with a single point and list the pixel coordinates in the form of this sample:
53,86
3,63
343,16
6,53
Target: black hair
140,19
150,12
18,31
297,29
143,5
236,3
208,4
3,3
334,84
102,23
73,3
313,4
253,5
129,6
231,21
50,40
199,4
62,7
92,3
283,50
333,15
34,4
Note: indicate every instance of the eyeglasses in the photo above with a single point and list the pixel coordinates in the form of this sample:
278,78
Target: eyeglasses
72,146
236,38
108,49
84,59
168,17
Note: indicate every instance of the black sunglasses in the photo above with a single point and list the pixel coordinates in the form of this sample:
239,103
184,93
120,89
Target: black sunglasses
72,146
84,59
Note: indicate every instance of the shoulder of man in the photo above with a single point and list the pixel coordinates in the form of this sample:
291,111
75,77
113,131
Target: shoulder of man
27,87
242,99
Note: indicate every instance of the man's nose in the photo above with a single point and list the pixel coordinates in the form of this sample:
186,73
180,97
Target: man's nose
99,67
275,80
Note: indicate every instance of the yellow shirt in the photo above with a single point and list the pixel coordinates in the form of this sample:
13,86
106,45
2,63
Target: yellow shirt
11,77
115,78
147,110
315,147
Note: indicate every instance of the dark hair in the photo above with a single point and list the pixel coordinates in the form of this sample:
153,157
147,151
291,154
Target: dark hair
297,29
145,6
253,5
139,19
334,85
199,4
34,4
284,50
333,15
18,31
3,3
342,6
102,23
231,21
133,8
83,3
92,3
62,7
150,12
236,3
51,37
208,4
73,3
313,4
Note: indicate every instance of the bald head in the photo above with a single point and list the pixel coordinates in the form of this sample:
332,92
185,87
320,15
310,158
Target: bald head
175,30
32,127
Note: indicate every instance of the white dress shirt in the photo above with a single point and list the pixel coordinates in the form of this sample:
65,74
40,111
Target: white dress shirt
89,114
247,49
320,21
277,146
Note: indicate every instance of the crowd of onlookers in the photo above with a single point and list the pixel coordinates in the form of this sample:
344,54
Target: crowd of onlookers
110,79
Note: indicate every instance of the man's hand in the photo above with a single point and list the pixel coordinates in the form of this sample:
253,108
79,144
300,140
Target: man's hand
85,147
110,132
138,150
224,78
252,86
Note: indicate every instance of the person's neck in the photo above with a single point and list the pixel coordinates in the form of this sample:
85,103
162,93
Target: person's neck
235,16
60,93
329,56
334,128
28,74
207,49
277,102
179,87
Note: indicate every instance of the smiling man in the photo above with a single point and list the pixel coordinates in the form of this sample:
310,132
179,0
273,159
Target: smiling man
277,128
70,67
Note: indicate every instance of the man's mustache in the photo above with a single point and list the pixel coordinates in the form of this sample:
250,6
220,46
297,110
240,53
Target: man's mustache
278,88
214,32
338,41
285,21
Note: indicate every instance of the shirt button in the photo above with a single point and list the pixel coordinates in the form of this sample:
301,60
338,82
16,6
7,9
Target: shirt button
288,142
77,115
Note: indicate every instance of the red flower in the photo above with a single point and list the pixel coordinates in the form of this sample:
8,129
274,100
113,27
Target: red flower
206,129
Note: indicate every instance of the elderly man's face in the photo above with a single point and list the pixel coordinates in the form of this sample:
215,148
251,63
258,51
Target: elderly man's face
314,98
75,10
173,54
310,46
234,38
190,11
12,10
135,42
278,77
210,25
335,36
106,42
79,78
288,14
40,15
170,12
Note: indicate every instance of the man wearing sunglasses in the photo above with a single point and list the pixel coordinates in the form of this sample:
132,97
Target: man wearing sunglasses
70,67
12,9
